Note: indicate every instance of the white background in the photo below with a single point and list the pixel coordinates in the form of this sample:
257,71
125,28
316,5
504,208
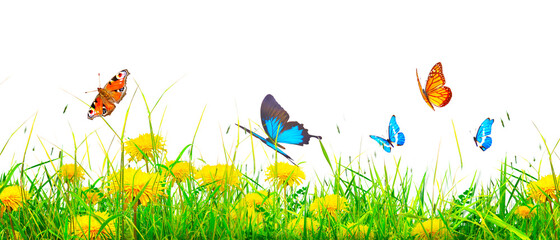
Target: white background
346,64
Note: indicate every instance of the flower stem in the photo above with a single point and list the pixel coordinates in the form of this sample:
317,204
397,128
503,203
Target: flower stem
12,226
135,207
553,218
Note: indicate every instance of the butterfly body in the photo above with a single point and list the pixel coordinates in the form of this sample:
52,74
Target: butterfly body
482,138
395,136
278,129
435,93
111,94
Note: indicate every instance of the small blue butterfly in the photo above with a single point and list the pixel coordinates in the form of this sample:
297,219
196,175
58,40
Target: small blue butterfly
395,136
482,138
275,123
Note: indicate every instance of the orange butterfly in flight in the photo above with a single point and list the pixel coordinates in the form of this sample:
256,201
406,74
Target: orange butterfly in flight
435,93
108,96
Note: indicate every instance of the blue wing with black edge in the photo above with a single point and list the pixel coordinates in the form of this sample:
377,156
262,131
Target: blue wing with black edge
395,134
383,142
482,138
276,147
275,123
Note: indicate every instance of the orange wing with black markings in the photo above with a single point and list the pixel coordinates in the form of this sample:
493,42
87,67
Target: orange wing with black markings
117,85
435,93
112,93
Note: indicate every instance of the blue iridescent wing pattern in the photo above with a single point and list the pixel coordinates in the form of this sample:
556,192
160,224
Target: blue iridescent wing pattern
276,147
395,134
276,126
383,142
275,123
482,138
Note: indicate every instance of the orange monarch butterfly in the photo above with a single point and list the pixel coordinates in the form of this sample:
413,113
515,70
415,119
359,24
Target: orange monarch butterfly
435,93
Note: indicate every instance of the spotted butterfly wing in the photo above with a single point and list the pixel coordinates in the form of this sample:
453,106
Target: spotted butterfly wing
482,138
112,93
435,93
395,136
278,129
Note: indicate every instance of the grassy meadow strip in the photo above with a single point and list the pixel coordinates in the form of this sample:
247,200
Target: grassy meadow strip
167,197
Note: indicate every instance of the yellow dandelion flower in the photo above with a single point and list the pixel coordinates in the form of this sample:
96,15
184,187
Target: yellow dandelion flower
181,170
284,174
89,226
136,181
13,197
298,226
219,175
356,231
247,210
245,216
257,199
71,172
543,189
430,229
91,195
332,204
526,211
143,144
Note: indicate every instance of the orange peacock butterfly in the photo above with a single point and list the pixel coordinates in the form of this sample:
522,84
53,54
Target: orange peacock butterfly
108,96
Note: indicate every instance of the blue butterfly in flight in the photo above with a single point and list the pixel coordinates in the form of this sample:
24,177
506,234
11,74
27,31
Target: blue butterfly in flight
395,136
482,138
275,123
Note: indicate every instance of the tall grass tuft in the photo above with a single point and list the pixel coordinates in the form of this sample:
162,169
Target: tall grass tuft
158,196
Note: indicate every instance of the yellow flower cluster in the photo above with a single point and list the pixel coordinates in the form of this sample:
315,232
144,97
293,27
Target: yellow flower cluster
89,226
71,172
431,229
136,181
220,175
253,200
91,195
526,211
247,208
180,171
284,174
543,189
13,197
332,204
141,147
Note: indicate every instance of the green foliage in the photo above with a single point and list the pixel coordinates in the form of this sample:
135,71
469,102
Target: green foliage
388,204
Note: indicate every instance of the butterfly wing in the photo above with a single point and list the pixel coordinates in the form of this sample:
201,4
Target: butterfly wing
486,143
275,123
100,107
116,87
383,142
395,134
482,138
435,93
423,92
276,147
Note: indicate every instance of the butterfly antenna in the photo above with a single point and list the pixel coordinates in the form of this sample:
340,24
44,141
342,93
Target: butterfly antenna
99,79
318,137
